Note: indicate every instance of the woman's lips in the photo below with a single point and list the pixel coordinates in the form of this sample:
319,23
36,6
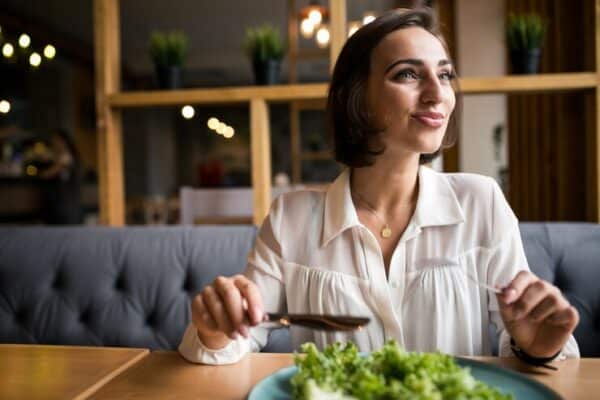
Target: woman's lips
430,119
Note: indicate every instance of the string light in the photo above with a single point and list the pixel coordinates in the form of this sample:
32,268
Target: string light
323,37
307,29
49,51
4,106
35,59
24,40
221,128
188,112
8,50
229,132
315,17
213,123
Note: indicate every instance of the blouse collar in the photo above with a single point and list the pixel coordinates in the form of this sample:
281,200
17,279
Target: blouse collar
437,205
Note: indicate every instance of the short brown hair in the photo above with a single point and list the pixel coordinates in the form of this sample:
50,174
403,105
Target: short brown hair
355,138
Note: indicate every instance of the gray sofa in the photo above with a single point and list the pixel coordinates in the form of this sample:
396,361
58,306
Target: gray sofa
131,287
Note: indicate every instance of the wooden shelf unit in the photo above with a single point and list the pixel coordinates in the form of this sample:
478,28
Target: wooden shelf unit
318,91
110,101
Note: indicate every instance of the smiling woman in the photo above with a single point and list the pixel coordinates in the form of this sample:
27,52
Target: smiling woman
390,239
369,77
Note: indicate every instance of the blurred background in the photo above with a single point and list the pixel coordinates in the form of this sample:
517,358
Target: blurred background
192,162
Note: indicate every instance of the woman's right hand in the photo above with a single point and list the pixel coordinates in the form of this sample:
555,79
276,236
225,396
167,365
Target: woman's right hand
226,309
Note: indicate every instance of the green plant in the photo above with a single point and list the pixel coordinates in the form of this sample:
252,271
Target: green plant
168,48
525,31
263,43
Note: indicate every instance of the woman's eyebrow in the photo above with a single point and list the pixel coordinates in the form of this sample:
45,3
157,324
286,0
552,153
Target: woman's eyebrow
413,61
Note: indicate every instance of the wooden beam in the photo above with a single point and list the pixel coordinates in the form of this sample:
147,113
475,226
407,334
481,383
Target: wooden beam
260,150
531,83
108,81
230,95
337,29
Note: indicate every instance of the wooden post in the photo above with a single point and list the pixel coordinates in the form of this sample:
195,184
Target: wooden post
295,142
593,191
337,29
260,147
292,42
108,126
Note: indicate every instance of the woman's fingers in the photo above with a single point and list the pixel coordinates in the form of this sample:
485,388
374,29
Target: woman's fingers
517,286
569,317
200,315
228,306
232,301
251,294
218,312
532,296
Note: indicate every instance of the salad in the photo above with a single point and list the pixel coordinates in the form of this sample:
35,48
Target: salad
341,373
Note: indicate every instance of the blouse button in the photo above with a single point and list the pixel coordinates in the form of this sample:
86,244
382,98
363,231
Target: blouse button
394,284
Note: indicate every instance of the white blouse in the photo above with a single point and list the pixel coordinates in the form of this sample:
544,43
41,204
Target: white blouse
313,255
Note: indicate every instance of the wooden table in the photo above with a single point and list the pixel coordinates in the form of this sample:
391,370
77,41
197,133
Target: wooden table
60,372
165,375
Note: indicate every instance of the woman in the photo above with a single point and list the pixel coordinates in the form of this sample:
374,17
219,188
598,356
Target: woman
63,191
390,239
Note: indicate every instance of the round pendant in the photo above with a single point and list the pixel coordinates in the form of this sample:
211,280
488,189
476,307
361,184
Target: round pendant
386,232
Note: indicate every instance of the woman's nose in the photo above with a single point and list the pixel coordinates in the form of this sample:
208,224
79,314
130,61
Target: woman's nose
431,91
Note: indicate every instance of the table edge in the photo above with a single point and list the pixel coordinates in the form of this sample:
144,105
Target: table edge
112,375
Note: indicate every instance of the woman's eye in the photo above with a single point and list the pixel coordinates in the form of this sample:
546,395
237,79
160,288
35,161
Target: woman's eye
448,75
406,74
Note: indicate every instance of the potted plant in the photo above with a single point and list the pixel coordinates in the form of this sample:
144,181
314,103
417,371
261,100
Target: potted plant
168,51
525,35
265,49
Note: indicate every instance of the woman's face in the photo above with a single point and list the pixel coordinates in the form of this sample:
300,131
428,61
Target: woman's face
410,91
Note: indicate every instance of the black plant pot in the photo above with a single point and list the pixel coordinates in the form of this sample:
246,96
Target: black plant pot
266,72
526,61
169,76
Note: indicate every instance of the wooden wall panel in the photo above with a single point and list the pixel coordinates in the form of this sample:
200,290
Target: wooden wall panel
548,133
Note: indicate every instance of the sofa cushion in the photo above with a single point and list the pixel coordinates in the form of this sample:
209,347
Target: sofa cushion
568,255
111,287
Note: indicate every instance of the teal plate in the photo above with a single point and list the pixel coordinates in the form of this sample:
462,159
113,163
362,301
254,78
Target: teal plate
277,386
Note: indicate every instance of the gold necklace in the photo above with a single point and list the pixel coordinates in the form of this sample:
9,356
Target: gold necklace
386,231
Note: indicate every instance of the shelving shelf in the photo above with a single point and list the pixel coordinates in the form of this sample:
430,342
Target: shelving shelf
110,100
226,95
306,91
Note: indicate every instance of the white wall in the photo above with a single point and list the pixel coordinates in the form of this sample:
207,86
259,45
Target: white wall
481,52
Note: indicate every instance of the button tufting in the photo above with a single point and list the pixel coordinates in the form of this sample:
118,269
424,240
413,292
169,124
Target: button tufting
187,283
21,316
151,319
84,318
120,283
57,283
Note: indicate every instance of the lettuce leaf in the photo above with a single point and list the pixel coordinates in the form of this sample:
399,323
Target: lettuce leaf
340,372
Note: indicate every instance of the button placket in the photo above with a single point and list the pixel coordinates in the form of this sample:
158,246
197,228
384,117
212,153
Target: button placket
381,290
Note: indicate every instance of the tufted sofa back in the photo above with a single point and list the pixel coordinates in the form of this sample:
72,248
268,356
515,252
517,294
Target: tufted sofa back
111,287
568,255
131,286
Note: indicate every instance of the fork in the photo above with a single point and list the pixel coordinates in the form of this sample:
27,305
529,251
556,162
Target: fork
483,285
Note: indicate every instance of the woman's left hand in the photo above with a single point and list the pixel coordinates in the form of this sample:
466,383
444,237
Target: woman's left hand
536,315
